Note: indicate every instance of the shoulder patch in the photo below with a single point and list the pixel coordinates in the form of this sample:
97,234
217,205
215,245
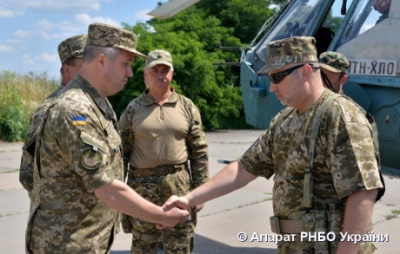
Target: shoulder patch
91,159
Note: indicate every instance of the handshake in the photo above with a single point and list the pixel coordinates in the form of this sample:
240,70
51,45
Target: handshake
177,209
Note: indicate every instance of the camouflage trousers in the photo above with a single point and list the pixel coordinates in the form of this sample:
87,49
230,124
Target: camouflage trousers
145,236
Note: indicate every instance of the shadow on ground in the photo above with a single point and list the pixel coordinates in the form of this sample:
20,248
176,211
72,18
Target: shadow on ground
206,245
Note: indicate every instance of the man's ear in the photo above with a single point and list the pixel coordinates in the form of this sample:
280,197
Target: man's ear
306,71
343,79
66,70
100,61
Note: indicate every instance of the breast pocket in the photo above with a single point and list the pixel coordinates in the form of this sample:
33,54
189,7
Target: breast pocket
114,143
113,140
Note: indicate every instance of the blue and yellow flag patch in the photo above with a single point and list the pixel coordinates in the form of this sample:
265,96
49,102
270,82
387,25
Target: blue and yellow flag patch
79,120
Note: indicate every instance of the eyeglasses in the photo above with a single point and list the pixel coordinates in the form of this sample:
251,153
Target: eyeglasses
277,78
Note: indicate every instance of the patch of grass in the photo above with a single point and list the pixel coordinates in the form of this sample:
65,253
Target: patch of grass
395,211
389,217
393,215
19,96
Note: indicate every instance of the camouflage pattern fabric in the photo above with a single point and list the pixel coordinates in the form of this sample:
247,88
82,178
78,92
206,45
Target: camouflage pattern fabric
158,56
28,149
110,36
72,47
78,149
334,62
298,49
344,161
179,239
175,240
375,138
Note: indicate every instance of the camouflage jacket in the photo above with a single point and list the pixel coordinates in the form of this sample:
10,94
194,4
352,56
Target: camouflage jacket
189,138
344,159
28,149
78,150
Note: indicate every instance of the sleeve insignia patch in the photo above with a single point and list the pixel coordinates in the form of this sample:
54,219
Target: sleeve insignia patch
91,159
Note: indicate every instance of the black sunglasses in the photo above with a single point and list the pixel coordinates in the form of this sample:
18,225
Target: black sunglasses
276,78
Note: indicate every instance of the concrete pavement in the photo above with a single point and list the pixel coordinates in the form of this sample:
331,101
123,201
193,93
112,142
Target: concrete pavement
245,211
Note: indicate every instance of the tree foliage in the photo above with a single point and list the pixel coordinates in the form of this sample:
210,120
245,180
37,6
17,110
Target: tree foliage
194,37
246,17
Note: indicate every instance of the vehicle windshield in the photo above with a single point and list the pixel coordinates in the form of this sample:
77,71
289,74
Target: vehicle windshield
364,18
297,21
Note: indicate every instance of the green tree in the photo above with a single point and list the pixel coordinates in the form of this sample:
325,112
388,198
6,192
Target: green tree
193,38
246,17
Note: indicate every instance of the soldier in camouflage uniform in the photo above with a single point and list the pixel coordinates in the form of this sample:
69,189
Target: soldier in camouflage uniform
334,68
70,52
319,150
78,189
165,153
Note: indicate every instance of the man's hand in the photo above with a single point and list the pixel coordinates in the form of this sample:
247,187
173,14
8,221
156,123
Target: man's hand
173,215
181,202
174,202
197,208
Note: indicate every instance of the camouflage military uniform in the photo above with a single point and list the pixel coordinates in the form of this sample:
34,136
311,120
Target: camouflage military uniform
78,150
67,49
147,125
28,150
344,162
338,63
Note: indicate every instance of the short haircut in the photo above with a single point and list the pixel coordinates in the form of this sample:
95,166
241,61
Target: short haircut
91,52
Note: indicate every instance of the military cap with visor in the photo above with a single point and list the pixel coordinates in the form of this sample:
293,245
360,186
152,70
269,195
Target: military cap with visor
299,49
72,47
158,56
104,35
334,62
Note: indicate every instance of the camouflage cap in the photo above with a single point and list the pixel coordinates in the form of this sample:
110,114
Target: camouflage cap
110,36
72,47
300,49
334,62
158,56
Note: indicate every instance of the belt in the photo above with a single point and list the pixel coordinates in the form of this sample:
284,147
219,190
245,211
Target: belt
158,171
281,226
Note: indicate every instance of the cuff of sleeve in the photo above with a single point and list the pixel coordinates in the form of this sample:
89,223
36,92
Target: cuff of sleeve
99,179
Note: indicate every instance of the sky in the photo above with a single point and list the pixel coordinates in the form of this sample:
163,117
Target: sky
30,30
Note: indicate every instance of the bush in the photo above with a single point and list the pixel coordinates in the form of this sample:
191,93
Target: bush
19,96
13,120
